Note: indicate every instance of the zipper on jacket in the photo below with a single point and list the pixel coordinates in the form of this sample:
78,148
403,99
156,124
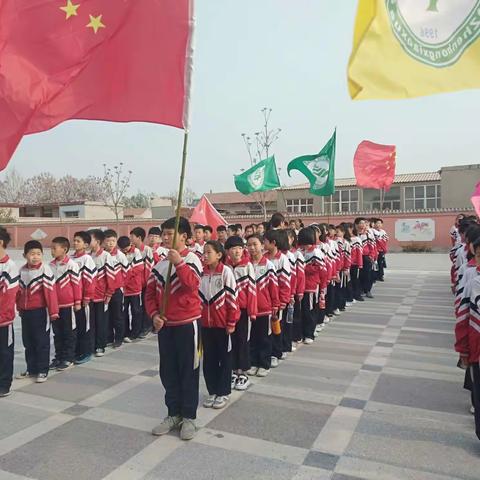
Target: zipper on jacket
209,298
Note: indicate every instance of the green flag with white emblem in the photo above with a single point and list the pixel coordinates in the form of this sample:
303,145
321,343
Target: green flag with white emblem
261,177
319,168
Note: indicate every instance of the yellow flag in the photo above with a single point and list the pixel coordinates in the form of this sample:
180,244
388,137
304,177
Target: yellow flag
410,48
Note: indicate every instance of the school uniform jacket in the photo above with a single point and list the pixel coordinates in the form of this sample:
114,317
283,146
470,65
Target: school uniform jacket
219,298
87,273
454,235
282,270
268,301
335,255
135,273
37,290
300,271
347,255
197,249
184,304
121,267
9,277
357,252
159,253
328,258
246,290
104,281
147,257
381,240
472,347
293,273
368,244
316,272
67,282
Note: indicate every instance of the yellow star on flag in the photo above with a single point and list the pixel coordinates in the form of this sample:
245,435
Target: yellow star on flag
70,9
95,23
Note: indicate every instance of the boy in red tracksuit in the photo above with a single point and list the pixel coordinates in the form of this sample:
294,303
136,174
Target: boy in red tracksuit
381,238
218,291
268,304
247,301
8,291
37,304
104,288
69,295
178,328
369,255
132,291
87,271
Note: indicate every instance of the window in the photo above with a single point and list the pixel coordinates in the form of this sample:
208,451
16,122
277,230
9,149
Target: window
342,201
422,196
300,205
387,201
74,214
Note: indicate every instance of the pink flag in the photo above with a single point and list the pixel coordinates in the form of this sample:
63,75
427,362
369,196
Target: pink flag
476,199
206,214
374,165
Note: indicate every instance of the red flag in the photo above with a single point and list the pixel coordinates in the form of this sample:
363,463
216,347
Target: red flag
121,61
374,165
476,199
206,214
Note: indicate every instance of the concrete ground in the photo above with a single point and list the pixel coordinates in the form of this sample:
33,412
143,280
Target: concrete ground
377,396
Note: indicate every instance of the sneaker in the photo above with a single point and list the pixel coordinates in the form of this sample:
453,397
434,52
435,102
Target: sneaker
109,344
41,378
284,356
316,334
128,340
380,279
209,401
274,362
337,312
117,344
294,347
54,364
326,320
472,409
83,359
252,372
359,299
263,372
342,309
189,429
354,301
144,334
234,380
4,392
64,366
21,376
168,424
319,328
220,402
349,304
242,383
369,295
99,352
308,341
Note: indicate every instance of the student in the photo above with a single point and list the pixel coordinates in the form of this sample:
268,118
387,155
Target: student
261,229
232,230
345,252
199,237
329,258
368,257
37,304
104,287
277,222
275,242
297,336
381,239
132,291
219,315
9,277
239,230
347,245
454,235
208,233
247,301
69,295
249,231
154,237
357,264
178,328
332,290
268,304
222,234
116,321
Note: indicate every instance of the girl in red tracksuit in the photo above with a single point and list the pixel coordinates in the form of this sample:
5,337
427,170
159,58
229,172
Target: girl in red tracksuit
356,255
369,255
220,313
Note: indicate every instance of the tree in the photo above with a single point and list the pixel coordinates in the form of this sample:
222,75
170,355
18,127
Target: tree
42,189
71,189
116,184
189,197
6,216
12,188
139,200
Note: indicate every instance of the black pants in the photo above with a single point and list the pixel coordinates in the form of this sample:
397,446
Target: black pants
475,372
297,335
146,320
366,272
355,279
36,340
65,335
116,324
179,368
217,361
98,324
341,292
381,265
349,294
132,313
85,332
287,332
261,343
241,343
7,352
277,340
330,299
309,315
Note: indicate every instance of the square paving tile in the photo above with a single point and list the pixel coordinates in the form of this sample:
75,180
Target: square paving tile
353,403
17,417
321,460
427,339
200,462
76,410
372,368
340,476
384,344
149,373
269,418
76,385
78,450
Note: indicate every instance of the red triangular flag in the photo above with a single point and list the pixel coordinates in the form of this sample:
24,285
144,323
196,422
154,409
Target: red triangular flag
374,165
109,60
476,199
206,214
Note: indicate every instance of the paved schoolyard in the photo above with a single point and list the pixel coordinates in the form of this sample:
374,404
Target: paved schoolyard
377,396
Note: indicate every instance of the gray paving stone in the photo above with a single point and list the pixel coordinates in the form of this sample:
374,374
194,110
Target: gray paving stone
339,476
76,410
14,418
291,422
321,460
384,344
372,368
149,373
353,403
425,339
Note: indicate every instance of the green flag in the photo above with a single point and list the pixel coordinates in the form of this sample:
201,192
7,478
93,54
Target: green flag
319,168
261,177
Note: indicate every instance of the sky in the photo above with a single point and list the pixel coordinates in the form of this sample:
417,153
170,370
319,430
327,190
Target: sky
289,55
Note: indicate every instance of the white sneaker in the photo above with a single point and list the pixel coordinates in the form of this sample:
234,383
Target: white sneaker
234,380
308,341
315,334
274,363
220,402
41,378
326,320
209,401
354,301
127,340
349,304
319,328
294,347
243,382
337,312
262,372
472,410
284,356
252,372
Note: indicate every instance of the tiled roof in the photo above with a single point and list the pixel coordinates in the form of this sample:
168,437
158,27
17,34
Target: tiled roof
237,197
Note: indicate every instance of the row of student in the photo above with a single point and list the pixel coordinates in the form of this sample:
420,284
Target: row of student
465,277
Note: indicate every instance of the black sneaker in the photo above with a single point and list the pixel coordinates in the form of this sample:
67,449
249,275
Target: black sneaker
86,357
4,392
99,352
359,299
65,365
117,344
54,364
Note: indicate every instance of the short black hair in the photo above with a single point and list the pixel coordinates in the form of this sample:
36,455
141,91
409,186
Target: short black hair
472,233
307,236
138,232
85,236
183,226
97,234
464,225
293,234
257,236
250,226
63,241
32,245
234,241
378,220
208,228
199,227
221,228
277,220
280,238
5,237
476,244
239,226
123,242
110,233
154,231
218,247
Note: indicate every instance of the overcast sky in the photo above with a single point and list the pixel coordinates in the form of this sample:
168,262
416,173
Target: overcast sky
291,56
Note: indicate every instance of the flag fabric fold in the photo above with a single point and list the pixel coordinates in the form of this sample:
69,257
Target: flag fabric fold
405,48
263,176
374,165
319,169
476,199
95,60
206,214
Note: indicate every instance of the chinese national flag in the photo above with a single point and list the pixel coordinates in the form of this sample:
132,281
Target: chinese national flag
206,214
114,60
374,165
